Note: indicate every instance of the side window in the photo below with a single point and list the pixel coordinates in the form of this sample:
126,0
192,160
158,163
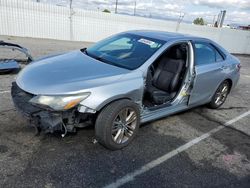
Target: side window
204,54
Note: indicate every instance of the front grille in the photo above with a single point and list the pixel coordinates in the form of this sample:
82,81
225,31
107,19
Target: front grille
21,101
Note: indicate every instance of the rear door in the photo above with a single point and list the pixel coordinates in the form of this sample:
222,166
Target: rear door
209,65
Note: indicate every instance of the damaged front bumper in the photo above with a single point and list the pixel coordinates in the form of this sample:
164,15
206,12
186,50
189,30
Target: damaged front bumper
46,119
8,65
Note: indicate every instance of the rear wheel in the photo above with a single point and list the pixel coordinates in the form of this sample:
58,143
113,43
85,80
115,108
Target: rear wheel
220,95
117,124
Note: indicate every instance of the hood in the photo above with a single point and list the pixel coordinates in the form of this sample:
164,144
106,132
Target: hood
68,73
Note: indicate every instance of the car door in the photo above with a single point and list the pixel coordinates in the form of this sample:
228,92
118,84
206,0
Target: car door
210,71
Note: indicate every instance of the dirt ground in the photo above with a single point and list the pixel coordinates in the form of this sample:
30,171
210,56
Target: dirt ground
221,160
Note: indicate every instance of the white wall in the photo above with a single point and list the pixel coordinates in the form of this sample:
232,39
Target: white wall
30,19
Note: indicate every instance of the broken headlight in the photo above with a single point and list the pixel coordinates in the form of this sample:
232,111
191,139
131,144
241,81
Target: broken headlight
59,102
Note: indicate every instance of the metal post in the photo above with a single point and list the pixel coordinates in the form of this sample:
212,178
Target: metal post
179,21
116,4
222,17
135,8
219,19
70,19
214,19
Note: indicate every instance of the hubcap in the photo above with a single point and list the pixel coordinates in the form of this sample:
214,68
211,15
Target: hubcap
124,125
221,94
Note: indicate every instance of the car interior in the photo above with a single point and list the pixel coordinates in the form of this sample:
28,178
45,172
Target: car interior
165,76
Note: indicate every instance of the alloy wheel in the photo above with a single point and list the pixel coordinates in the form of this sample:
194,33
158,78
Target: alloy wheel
124,125
221,94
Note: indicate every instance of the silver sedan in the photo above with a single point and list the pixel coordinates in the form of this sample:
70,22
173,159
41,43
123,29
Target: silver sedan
122,81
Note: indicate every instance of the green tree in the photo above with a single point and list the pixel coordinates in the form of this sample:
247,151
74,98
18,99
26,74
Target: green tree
199,21
106,10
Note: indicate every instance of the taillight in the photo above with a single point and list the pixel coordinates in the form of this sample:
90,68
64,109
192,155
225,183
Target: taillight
238,66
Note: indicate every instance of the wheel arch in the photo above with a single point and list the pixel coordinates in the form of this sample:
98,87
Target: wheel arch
109,101
104,123
212,104
230,86
230,83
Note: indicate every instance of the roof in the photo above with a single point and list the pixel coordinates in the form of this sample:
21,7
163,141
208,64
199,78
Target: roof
167,36
160,35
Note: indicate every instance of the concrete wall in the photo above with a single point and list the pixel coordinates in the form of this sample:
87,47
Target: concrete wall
30,19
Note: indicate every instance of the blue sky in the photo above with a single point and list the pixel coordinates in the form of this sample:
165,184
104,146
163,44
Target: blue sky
238,11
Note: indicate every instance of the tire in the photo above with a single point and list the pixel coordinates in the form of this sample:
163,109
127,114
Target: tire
214,103
111,121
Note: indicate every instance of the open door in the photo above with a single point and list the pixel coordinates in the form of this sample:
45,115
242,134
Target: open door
189,78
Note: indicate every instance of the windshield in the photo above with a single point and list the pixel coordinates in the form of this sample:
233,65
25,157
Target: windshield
125,50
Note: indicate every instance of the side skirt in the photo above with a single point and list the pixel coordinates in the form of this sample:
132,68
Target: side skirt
149,115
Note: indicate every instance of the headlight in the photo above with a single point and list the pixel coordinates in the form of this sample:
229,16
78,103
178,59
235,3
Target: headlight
59,102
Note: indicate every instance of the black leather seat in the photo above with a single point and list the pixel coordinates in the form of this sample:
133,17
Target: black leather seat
165,80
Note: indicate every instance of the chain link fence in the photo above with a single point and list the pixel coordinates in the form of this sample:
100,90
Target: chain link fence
55,21
32,19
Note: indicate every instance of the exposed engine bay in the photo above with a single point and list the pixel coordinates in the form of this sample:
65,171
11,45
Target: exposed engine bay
48,120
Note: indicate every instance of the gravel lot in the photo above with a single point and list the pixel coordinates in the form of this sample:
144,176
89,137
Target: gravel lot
221,160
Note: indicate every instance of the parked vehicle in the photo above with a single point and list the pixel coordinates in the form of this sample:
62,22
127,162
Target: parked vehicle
123,81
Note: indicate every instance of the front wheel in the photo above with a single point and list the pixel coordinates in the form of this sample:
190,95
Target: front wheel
117,124
220,95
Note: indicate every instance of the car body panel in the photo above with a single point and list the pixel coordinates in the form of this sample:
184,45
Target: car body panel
208,77
130,86
69,73
233,73
160,35
202,93
162,112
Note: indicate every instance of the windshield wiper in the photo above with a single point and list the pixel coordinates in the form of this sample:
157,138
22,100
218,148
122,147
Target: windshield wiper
103,60
84,50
